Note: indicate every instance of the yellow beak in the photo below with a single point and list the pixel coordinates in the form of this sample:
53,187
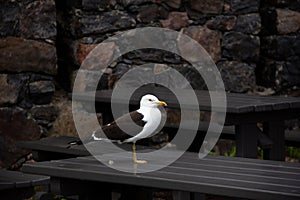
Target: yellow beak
162,103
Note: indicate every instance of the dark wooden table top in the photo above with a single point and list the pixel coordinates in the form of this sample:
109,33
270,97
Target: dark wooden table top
236,103
227,176
15,179
60,147
60,144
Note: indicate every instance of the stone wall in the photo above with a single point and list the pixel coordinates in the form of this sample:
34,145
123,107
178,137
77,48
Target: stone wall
28,65
248,39
254,43
280,50
226,29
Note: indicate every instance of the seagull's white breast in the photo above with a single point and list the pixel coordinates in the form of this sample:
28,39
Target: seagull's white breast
152,117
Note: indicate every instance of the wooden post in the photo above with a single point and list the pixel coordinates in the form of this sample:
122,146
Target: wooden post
246,140
275,131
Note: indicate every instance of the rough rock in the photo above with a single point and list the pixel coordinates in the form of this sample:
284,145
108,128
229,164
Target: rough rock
276,46
40,77
237,77
192,76
207,7
100,24
266,72
197,17
248,23
12,123
294,5
41,87
38,20
87,80
9,13
118,72
21,55
242,6
240,46
83,50
127,3
20,82
288,73
275,2
175,21
9,90
172,3
286,46
288,21
222,23
99,58
95,4
151,13
209,39
41,91
44,112
153,55
64,123
279,74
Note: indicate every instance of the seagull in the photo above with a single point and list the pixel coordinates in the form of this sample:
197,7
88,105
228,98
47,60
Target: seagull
147,118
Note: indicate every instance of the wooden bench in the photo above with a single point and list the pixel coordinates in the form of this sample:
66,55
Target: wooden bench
189,177
55,148
292,137
17,185
242,115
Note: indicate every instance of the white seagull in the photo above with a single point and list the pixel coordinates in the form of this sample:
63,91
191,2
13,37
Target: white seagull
147,118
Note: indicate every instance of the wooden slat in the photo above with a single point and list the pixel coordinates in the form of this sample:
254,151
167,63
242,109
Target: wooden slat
236,103
59,147
14,179
224,176
211,161
56,144
49,144
250,172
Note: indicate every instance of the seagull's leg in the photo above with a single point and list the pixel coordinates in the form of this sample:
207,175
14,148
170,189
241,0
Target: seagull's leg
135,160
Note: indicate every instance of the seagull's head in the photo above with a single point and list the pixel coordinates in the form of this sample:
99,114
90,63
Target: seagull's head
151,101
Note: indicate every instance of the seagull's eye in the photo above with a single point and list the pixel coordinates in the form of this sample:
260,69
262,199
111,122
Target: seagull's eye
150,100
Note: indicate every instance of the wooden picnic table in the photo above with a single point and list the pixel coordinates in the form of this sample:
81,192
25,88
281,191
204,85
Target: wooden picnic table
54,148
188,176
17,185
243,111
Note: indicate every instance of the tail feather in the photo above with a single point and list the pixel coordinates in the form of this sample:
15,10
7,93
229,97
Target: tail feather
92,138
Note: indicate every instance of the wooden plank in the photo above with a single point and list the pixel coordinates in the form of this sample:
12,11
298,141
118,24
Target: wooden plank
246,161
5,184
247,140
55,144
244,173
219,162
275,130
89,167
14,179
236,103
254,117
46,148
182,182
274,103
192,178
